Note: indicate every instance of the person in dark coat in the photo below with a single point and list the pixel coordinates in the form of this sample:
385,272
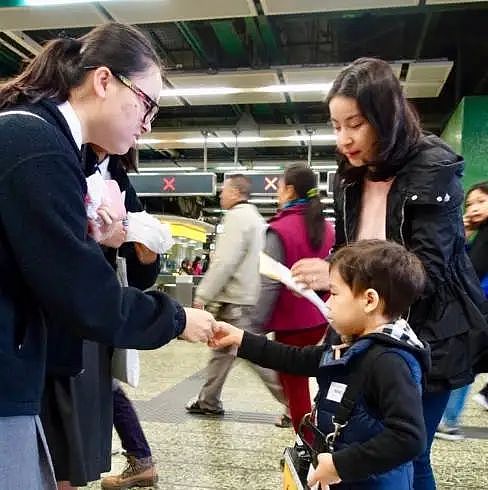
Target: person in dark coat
396,183
88,90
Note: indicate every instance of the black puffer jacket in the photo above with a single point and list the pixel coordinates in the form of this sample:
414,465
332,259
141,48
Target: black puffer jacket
424,214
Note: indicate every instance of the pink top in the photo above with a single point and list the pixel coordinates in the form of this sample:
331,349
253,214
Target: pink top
372,221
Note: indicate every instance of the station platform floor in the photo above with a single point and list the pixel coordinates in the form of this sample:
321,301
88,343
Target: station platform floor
242,449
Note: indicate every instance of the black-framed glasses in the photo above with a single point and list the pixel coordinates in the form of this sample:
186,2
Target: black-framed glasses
152,107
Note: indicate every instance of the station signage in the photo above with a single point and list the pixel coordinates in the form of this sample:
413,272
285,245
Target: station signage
264,183
168,184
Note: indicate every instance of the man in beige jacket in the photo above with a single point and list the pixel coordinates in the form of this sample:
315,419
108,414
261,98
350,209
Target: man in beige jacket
230,289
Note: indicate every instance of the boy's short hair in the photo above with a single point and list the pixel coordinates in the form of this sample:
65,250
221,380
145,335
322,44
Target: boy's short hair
396,274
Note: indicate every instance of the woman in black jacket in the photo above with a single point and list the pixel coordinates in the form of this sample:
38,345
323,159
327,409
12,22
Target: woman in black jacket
103,89
396,183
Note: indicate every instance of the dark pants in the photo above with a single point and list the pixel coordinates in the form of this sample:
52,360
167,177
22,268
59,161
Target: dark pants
128,427
434,405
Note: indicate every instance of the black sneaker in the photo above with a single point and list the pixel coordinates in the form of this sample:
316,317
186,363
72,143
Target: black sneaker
449,433
194,407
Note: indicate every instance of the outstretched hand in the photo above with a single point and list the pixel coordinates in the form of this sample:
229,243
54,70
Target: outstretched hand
199,327
225,335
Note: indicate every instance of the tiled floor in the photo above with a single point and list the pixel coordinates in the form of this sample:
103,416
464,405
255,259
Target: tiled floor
242,450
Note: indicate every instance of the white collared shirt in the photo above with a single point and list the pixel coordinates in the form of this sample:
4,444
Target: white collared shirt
73,121
103,168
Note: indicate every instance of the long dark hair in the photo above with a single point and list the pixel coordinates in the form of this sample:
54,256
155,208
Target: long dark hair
372,83
304,181
61,65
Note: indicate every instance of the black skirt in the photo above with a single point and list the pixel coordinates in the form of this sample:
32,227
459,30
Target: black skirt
77,416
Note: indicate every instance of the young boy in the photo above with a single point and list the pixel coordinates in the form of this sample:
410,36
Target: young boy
372,283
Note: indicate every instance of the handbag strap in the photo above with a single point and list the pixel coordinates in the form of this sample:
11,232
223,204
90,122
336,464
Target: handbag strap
22,113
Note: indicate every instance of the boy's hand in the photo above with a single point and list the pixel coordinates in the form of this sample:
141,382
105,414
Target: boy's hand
325,473
226,335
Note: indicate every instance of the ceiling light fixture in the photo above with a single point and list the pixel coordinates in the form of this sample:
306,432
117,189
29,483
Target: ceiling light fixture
203,91
240,139
148,141
324,167
229,168
166,169
315,137
188,92
45,3
296,87
222,139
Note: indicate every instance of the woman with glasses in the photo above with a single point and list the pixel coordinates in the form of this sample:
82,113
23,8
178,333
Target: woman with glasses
101,89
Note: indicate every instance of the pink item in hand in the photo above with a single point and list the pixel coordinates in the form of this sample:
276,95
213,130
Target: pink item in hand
103,193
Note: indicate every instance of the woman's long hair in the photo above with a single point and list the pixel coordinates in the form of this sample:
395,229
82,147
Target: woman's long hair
304,181
378,93
62,64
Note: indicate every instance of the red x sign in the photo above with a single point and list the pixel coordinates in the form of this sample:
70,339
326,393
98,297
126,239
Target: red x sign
169,184
271,183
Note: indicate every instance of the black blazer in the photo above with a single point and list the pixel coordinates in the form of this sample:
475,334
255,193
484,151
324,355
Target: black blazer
50,267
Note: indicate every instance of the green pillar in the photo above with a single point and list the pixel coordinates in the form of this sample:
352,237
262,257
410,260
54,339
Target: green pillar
467,133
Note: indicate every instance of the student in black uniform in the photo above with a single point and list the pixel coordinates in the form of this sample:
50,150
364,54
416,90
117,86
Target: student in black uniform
372,282
103,89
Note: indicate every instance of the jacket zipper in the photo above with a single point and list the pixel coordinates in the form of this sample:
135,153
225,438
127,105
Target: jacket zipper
403,222
402,237
344,205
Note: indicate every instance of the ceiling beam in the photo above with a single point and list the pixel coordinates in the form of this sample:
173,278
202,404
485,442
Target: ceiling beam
192,37
229,40
22,39
258,48
22,55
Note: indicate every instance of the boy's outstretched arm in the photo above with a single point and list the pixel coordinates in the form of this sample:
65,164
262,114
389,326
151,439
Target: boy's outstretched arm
301,361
